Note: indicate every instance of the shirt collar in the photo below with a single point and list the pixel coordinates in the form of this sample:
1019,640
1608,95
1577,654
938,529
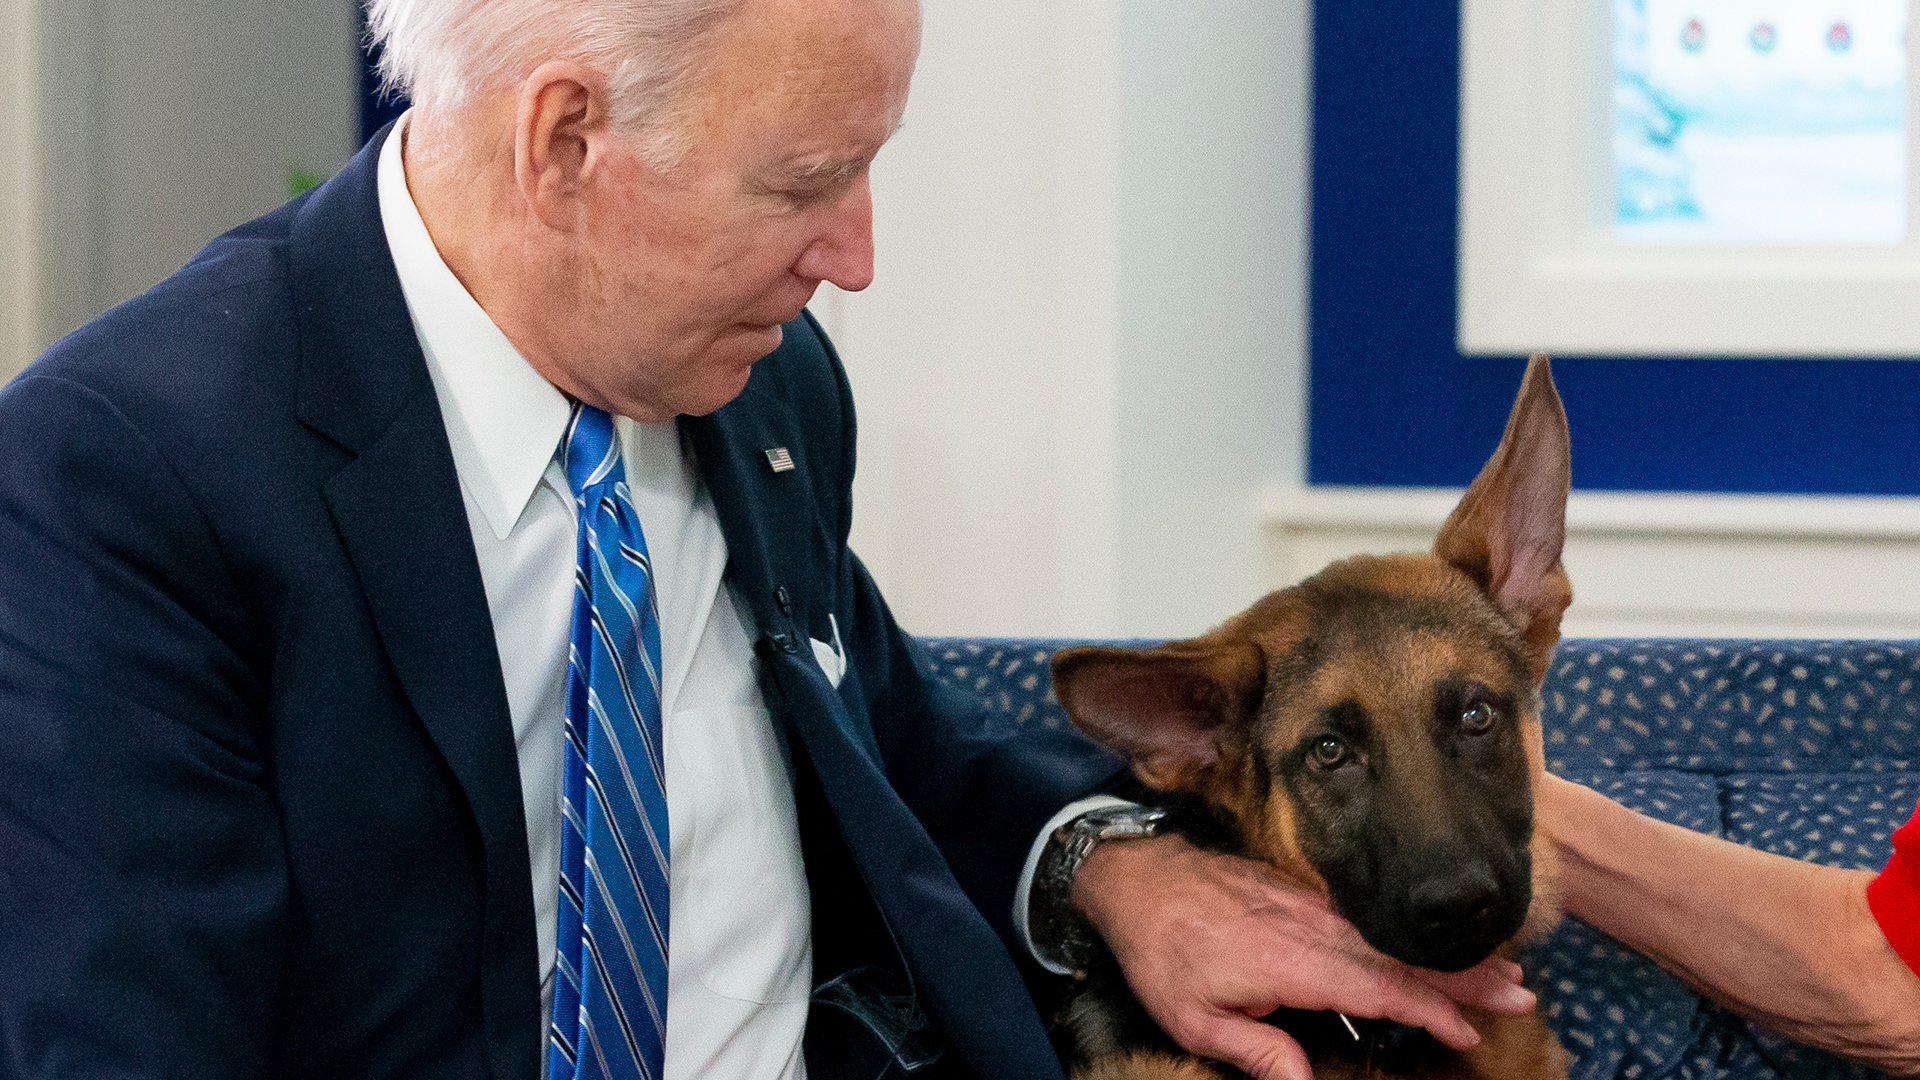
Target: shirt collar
503,420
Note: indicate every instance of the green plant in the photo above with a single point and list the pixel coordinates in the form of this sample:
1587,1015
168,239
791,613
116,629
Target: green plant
300,180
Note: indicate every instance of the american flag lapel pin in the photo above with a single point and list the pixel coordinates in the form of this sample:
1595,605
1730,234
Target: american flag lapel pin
780,460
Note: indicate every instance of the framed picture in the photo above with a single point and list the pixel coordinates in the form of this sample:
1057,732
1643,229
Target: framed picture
1464,215
1688,178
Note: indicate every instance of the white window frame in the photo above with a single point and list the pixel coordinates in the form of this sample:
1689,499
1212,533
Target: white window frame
1540,270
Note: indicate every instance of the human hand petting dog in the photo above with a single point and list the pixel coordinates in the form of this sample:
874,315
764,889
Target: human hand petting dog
1227,940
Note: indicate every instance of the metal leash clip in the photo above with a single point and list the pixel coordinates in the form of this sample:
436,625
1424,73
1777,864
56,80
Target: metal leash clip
1366,1063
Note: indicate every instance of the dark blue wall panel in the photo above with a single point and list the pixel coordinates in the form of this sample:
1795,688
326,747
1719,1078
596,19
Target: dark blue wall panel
1393,401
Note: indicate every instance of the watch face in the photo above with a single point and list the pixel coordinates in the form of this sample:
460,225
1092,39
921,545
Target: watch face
1125,820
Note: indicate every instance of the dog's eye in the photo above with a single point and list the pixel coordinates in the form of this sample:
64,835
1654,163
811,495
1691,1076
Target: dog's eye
1479,718
1329,752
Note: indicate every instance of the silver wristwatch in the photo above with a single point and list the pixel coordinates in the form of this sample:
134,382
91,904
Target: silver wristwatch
1059,931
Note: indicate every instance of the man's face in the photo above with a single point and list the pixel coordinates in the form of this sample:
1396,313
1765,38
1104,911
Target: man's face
687,275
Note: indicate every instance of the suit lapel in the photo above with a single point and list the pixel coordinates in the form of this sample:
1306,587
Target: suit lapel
400,515
776,543
764,515
780,559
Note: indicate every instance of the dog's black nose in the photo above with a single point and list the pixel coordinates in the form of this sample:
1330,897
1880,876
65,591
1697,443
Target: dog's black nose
1455,902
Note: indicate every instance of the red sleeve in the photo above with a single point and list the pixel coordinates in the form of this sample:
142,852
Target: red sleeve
1894,896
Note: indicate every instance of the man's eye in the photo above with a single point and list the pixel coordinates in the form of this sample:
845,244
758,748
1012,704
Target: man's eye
1479,718
1329,752
814,187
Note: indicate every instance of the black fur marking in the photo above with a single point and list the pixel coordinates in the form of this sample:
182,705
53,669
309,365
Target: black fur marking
1262,778
1453,696
1441,894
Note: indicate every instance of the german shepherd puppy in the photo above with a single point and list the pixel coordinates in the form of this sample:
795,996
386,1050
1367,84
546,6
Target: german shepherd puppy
1373,733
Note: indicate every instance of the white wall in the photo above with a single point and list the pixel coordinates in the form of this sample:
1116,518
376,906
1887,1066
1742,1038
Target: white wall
19,236
1216,121
1084,352
156,126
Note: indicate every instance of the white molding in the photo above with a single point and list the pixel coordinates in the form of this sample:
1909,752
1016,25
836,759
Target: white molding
19,171
1658,565
1539,270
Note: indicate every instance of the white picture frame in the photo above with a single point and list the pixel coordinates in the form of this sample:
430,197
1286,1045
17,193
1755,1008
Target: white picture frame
1539,268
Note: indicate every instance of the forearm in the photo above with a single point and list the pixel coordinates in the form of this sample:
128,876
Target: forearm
1788,943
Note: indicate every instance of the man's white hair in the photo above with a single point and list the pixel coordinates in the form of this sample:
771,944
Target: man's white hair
443,53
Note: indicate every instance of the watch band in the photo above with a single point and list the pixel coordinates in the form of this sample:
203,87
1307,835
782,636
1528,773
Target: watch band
1059,931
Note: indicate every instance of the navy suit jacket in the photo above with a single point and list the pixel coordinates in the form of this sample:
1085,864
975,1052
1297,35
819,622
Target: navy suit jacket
260,811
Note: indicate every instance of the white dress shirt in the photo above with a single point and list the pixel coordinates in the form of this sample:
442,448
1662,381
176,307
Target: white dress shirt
740,965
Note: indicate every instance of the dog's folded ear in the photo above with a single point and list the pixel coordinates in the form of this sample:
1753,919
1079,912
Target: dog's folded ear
1176,711
1508,530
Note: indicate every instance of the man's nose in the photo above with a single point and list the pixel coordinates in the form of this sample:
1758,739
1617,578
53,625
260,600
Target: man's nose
843,252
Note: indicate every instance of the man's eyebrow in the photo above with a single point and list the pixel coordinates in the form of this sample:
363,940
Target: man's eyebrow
833,169
822,173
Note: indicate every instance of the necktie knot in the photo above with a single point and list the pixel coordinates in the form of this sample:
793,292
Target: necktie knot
592,455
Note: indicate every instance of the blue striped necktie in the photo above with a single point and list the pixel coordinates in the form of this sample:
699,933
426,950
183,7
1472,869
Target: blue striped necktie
610,973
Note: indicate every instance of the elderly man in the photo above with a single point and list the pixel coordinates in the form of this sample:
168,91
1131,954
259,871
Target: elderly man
377,704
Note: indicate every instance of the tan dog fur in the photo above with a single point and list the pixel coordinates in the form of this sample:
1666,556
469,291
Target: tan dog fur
1224,716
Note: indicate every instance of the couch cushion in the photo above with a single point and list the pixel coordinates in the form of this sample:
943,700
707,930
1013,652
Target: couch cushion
1838,819
1012,676
1733,706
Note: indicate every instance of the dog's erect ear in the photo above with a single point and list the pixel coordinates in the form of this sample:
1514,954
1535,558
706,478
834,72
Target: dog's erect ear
1176,711
1507,532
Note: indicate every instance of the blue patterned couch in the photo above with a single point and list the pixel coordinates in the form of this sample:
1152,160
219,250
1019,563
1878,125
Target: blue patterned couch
1809,749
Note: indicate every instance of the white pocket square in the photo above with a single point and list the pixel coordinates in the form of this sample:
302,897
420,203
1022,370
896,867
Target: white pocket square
831,658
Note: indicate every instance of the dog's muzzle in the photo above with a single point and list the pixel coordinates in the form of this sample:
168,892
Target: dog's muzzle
1451,918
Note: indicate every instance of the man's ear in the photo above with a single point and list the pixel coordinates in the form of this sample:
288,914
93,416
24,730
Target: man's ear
1508,530
561,132
1176,711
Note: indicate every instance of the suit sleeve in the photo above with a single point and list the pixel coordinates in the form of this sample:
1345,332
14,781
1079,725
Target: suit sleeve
1894,896
142,880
